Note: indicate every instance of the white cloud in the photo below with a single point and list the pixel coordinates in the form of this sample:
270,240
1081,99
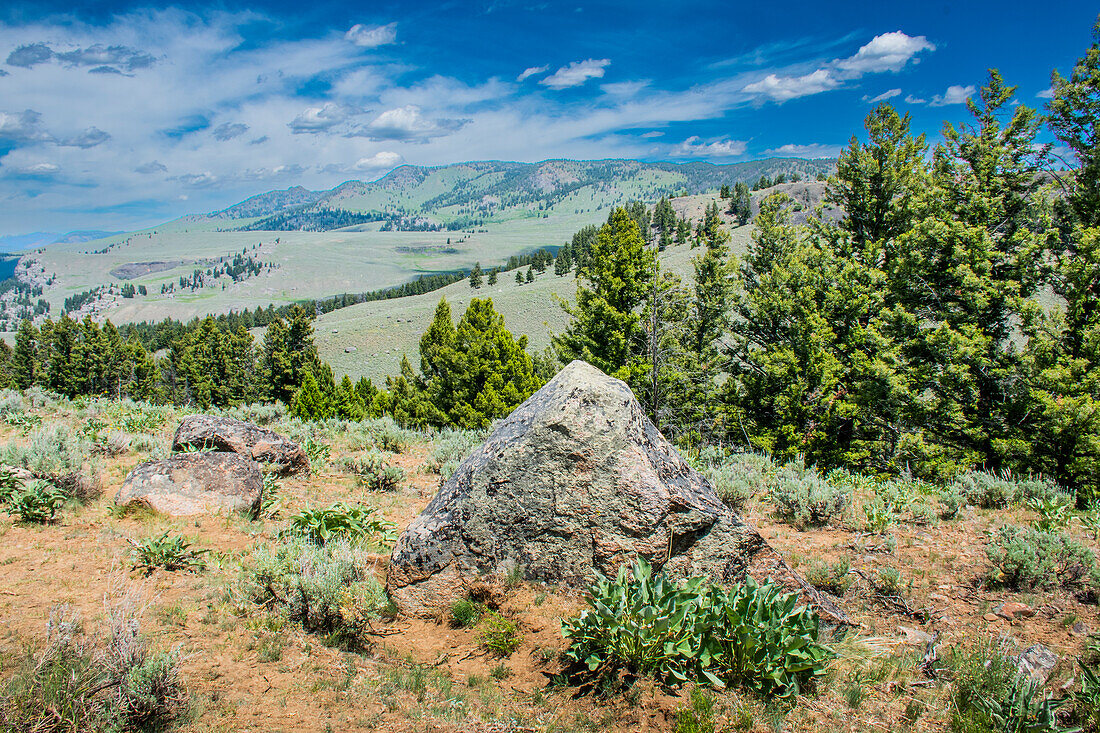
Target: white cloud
40,169
1047,93
652,134
382,160
888,94
625,88
321,119
910,99
694,147
885,52
955,94
22,128
783,88
372,36
811,151
408,124
532,71
576,73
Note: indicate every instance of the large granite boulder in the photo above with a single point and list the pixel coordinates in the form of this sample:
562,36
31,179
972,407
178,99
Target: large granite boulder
577,480
208,432
195,483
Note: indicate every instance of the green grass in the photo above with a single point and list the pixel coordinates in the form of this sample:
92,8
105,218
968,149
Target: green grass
382,331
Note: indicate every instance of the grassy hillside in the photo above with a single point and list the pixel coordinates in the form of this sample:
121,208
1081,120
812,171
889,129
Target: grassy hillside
381,332
510,209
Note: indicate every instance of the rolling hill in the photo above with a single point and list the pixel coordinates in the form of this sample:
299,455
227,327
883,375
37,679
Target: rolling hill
297,244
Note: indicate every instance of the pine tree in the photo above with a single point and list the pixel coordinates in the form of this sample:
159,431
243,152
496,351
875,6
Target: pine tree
564,261
25,356
961,277
492,279
349,403
530,275
876,183
519,278
475,276
604,330
310,403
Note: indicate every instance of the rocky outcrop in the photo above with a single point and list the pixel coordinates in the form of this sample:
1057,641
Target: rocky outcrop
195,483
577,480
209,432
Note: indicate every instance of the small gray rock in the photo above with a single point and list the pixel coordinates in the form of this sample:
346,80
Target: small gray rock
210,432
1080,629
915,636
195,483
1037,662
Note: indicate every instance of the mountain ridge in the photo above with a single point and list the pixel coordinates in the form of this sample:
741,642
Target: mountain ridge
472,193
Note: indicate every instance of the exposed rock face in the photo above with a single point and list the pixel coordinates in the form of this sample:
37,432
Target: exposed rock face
195,483
236,436
577,480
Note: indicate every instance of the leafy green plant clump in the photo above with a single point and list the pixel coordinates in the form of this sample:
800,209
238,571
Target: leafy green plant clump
466,612
498,635
37,502
340,521
989,693
752,634
168,553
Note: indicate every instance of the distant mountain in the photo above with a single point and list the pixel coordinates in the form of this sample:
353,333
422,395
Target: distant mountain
16,242
89,235
268,204
465,195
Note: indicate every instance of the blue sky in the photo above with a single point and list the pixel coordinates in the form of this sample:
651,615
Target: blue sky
117,115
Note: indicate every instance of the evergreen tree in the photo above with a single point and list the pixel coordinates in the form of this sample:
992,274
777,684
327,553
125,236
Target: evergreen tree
741,203
475,276
1074,116
604,330
564,261
961,277
492,279
876,183
310,403
24,362
530,275
519,278
349,403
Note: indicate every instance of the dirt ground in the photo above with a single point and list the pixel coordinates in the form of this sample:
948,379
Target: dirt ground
245,675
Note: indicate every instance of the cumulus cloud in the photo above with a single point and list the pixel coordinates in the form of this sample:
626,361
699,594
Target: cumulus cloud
532,71
885,52
694,147
382,160
888,94
321,119
153,166
888,52
22,128
372,36
576,73
408,124
229,130
784,88
811,151
955,94
1047,93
